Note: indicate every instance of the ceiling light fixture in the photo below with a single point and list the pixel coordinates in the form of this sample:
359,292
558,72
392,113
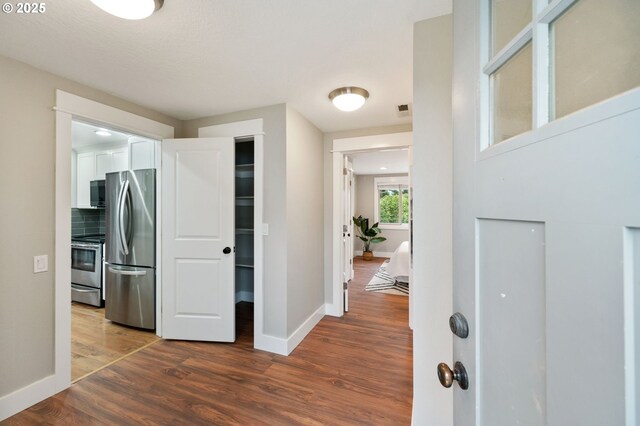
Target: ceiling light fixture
102,132
129,9
383,168
348,98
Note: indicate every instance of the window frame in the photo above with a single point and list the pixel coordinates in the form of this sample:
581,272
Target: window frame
544,12
402,182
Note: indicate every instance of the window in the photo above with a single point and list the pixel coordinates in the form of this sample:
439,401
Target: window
391,202
594,46
547,59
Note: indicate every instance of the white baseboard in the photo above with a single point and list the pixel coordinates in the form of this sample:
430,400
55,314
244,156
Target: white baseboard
265,342
375,253
244,296
305,328
282,346
27,396
333,309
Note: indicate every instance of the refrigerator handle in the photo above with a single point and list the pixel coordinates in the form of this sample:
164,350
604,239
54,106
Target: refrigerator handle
123,236
127,272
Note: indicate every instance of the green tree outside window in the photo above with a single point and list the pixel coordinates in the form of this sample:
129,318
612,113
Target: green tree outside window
391,199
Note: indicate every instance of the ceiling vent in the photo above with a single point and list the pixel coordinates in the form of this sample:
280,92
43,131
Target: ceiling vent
403,110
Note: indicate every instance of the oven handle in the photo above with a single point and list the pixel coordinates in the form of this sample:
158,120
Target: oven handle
125,272
85,246
123,236
80,290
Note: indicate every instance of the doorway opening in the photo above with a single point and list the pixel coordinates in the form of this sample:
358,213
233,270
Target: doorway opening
376,193
96,151
244,238
344,235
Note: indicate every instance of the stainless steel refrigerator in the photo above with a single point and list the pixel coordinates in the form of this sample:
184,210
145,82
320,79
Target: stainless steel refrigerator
130,248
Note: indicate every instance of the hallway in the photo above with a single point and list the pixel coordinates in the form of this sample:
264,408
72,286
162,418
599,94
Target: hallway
348,371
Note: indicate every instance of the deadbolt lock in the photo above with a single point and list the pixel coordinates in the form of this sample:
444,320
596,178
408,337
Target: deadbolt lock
458,325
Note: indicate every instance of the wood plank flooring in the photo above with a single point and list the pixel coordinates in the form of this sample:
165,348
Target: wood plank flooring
348,371
97,342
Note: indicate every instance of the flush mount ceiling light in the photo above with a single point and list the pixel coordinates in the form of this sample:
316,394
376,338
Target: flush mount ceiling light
348,98
129,9
102,132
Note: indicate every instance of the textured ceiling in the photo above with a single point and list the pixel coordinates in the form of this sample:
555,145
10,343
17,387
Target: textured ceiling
84,135
369,163
197,58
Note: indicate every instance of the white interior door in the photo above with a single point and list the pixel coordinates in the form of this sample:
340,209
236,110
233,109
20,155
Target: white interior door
347,229
542,223
198,294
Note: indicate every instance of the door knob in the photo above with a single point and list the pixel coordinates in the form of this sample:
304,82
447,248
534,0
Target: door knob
226,250
459,373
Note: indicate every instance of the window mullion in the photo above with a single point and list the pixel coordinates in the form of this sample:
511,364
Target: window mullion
553,10
541,75
509,50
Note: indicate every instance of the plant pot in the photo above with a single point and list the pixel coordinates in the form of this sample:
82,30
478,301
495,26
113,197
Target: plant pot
367,255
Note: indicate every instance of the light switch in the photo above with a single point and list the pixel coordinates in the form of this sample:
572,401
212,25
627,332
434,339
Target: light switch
40,263
265,229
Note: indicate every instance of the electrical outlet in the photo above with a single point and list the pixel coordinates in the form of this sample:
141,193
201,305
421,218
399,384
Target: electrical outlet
40,263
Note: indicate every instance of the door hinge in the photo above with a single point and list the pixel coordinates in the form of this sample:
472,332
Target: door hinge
344,171
345,286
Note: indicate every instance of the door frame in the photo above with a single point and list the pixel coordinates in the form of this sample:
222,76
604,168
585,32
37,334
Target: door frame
69,107
340,147
238,130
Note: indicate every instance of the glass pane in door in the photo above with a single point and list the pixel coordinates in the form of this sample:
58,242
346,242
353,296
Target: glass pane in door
508,18
512,97
595,53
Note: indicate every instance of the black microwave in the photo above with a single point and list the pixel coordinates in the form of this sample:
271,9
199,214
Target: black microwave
97,193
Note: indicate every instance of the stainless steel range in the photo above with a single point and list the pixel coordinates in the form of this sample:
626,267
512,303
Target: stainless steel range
87,269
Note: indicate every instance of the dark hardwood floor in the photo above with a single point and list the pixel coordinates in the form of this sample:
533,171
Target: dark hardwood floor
348,371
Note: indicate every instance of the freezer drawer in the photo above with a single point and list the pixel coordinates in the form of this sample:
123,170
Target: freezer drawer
88,295
131,296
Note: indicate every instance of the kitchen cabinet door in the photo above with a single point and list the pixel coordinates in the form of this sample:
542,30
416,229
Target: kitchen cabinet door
103,164
120,160
142,154
86,173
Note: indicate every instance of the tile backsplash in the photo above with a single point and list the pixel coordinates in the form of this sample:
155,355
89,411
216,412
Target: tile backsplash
87,221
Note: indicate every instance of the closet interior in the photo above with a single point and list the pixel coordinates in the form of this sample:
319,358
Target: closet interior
244,181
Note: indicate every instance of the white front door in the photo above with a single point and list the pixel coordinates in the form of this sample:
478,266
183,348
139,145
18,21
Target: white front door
546,218
198,260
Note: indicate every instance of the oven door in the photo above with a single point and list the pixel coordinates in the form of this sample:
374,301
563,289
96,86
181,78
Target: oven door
86,264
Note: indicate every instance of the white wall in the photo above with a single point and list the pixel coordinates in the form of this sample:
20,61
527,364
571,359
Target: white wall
364,205
27,138
432,225
305,248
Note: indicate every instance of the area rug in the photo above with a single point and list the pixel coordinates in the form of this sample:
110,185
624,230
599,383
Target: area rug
384,283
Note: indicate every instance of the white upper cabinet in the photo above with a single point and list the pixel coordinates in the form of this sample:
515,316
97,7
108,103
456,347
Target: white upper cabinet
94,165
85,173
120,160
113,160
142,154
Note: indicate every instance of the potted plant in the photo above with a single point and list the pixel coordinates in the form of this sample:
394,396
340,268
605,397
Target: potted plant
367,235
